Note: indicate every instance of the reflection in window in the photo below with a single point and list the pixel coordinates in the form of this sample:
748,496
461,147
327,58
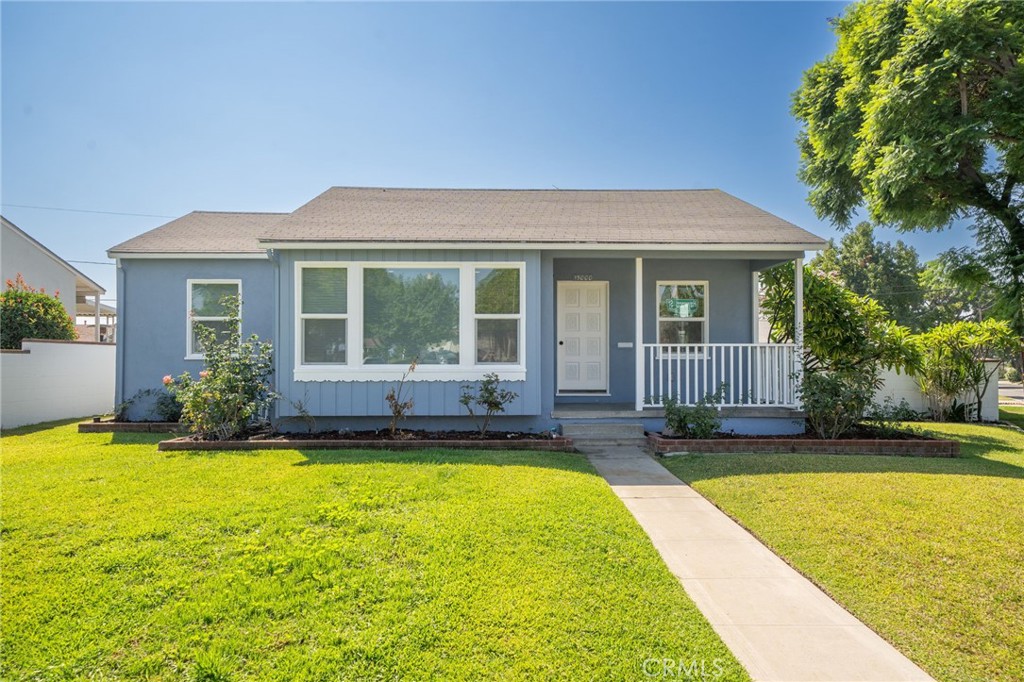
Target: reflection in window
411,314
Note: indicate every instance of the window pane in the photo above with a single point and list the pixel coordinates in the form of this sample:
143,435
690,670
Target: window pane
681,300
497,341
324,341
497,291
325,290
410,313
680,332
206,299
220,327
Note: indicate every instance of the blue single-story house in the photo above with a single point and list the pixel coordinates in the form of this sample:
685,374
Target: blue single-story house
589,304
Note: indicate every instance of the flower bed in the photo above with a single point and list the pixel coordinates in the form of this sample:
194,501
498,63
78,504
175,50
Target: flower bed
906,447
372,440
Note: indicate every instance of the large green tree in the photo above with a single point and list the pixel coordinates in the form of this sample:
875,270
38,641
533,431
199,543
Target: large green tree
918,116
880,270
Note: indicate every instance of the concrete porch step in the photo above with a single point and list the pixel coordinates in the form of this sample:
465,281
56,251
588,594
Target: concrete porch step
604,431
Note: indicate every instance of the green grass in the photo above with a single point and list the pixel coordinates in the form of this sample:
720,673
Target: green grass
1012,414
928,552
122,562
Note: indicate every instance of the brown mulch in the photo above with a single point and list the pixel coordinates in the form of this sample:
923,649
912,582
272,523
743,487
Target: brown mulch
400,435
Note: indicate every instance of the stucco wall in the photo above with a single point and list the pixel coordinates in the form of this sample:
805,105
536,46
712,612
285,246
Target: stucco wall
52,380
904,387
153,312
18,255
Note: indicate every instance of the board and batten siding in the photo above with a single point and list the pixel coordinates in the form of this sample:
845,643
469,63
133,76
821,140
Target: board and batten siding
367,398
152,316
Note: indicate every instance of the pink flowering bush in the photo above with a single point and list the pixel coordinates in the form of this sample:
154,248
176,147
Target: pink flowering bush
233,391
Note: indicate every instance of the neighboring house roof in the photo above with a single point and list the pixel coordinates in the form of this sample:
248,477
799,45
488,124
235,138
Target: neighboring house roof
204,232
344,215
82,282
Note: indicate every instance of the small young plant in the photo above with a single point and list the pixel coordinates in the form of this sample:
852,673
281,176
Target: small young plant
491,399
302,412
399,407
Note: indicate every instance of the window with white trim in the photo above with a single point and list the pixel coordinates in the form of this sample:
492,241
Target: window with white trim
323,316
682,312
366,321
498,313
206,308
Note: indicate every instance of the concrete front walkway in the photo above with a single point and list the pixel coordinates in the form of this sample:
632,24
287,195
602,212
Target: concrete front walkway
777,623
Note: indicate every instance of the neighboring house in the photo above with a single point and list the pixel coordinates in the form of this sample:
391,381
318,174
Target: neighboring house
589,304
43,269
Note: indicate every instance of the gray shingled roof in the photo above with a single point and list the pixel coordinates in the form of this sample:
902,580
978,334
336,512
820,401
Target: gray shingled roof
204,232
345,214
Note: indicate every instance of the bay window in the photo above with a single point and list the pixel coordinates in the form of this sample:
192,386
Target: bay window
367,321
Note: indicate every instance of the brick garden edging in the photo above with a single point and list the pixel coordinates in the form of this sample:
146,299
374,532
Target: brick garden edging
547,445
906,448
110,426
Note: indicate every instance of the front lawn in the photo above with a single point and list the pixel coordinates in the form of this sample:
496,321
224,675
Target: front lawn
928,552
120,562
1012,414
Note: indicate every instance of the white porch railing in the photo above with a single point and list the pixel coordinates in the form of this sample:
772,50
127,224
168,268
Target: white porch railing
748,373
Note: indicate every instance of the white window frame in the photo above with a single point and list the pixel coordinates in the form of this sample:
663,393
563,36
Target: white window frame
658,319
190,319
300,338
518,316
354,370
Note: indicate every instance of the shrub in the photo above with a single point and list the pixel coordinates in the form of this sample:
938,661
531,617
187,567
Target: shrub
701,420
233,391
490,397
1011,374
836,401
27,313
953,364
399,408
165,408
887,418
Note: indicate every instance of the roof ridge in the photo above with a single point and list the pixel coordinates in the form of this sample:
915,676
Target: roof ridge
239,213
528,189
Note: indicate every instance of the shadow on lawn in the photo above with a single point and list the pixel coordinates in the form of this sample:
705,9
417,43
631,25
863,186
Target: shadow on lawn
42,426
565,461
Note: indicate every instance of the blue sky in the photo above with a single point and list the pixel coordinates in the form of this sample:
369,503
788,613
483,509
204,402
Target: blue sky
165,108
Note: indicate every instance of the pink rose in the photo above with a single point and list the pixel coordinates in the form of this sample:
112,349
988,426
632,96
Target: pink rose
168,380
205,373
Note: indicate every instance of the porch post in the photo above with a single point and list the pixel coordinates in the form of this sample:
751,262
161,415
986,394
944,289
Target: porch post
798,326
638,339
97,316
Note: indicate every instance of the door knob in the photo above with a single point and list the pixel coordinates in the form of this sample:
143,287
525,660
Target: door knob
561,343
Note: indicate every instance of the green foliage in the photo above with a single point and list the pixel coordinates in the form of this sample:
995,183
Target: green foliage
885,272
917,117
1011,374
164,406
233,390
836,401
902,115
27,313
920,549
489,396
889,418
842,331
956,287
953,363
409,317
367,565
399,407
701,420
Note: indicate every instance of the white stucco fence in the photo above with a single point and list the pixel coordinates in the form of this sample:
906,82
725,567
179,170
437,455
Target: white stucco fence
904,386
50,380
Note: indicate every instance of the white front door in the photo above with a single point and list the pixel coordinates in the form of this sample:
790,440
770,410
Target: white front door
582,336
